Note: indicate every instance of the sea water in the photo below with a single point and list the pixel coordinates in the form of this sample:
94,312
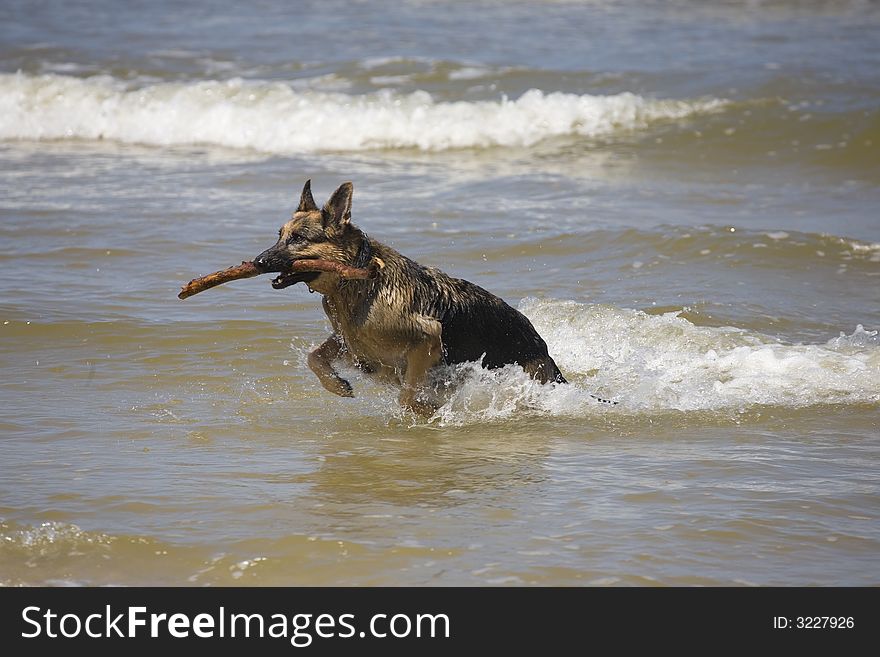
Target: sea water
681,196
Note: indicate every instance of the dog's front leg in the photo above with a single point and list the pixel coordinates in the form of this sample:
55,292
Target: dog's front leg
320,362
419,360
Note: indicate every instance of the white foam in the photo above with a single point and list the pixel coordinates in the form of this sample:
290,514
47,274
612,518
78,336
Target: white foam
379,62
274,117
865,248
51,535
470,73
658,363
390,80
860,338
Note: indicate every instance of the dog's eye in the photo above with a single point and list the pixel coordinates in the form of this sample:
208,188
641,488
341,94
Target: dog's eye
295,237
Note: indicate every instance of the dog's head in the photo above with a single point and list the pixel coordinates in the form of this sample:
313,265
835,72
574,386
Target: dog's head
313,233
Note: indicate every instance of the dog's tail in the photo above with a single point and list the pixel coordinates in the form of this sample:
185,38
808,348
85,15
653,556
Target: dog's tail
556,375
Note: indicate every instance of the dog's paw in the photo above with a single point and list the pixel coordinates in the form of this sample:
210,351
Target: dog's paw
343,388
339,386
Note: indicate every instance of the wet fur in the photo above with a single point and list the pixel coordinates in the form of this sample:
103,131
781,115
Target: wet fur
405,320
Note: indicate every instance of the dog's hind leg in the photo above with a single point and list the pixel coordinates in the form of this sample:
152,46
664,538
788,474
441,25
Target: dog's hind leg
420,359
320,363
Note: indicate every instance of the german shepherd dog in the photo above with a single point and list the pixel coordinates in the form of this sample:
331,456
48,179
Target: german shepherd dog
405,320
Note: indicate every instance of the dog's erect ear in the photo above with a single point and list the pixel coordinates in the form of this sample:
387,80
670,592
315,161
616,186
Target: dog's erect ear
306,202
337,211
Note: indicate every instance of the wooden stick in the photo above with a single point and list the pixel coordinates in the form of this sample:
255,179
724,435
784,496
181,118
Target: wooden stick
249,269
343,271
196,285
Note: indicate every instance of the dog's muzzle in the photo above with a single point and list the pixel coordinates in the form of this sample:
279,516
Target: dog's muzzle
271,260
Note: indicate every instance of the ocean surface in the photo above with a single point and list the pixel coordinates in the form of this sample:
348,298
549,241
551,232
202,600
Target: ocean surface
683,197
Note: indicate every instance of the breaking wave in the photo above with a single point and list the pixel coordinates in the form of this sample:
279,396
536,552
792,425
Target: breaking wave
276,118
658,363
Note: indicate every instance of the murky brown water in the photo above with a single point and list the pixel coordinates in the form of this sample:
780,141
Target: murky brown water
712,264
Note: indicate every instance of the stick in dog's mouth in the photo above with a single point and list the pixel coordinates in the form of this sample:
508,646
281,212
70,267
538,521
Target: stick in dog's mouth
308,269
300,271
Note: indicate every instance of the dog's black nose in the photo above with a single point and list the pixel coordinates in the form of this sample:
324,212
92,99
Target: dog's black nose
270,260
262,262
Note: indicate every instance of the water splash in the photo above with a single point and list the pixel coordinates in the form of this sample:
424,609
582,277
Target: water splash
660,363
